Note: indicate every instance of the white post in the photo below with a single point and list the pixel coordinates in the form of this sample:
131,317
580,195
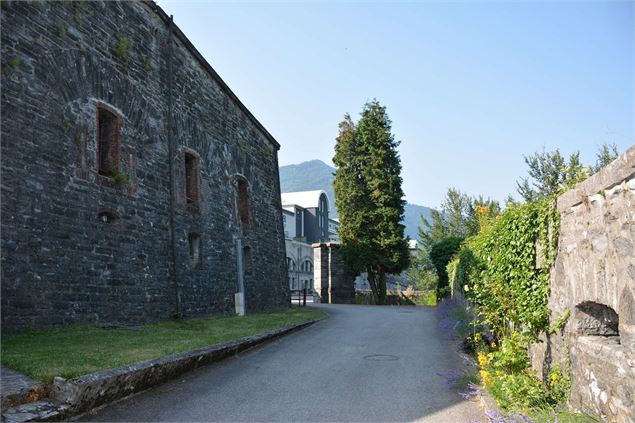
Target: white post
239,297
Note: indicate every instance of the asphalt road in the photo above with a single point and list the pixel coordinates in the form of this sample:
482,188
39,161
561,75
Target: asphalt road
363,364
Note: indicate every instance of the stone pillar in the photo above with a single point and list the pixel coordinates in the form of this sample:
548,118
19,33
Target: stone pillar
333,282
321,272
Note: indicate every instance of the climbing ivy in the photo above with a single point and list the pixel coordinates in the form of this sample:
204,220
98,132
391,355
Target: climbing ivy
497,270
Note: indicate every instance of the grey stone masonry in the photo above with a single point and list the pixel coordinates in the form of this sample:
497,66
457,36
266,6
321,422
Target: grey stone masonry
16,388
86,210
334,284
593,279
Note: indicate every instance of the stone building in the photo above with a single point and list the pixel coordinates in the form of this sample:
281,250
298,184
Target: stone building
134,181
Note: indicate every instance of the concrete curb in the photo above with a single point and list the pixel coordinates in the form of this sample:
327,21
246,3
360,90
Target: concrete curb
79,395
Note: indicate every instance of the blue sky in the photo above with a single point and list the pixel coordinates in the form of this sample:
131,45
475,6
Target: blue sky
470,86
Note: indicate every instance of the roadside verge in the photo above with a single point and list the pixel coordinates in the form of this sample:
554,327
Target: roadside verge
78,395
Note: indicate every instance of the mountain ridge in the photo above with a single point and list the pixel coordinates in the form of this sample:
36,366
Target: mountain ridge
315,174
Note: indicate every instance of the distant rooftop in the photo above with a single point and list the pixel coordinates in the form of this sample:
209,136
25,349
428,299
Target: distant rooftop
306,199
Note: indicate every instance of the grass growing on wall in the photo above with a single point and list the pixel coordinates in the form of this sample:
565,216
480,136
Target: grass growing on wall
76,350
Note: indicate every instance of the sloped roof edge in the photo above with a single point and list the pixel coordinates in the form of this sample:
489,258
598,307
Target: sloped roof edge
198,56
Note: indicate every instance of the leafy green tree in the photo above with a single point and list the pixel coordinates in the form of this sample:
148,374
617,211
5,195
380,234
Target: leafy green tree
605,155
440,255
433,230
480,213
424,277
550,173
456,208
451,221
460,216
369,198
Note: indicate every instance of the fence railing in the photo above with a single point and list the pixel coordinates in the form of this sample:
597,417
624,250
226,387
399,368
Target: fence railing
299,296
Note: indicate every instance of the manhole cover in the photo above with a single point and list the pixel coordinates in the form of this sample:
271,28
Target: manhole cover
381,357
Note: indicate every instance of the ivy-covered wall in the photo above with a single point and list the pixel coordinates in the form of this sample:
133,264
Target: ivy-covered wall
593,281
561,273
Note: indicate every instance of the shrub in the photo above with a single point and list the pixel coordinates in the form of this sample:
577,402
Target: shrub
440,254
496,269
521,392
559,383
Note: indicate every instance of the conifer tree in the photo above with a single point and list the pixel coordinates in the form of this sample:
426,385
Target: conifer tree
369,197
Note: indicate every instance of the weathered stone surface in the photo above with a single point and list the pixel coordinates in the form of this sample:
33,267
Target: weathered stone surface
593,278
41,411
595,319
17,388
64,259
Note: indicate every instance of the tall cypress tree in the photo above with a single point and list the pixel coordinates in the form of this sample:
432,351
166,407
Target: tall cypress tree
369,197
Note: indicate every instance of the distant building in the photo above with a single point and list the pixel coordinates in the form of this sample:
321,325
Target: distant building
311,209
306,221
334,226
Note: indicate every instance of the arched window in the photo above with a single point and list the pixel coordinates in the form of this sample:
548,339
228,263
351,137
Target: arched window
307,266
243,200
191,178
290,264
108,127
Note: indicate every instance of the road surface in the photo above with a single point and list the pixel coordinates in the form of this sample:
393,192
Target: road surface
362,364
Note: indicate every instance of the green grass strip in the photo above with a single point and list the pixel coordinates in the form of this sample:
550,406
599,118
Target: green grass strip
77,350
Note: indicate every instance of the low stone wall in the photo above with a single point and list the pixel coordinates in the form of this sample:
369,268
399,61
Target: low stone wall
593,279
92,390
76,396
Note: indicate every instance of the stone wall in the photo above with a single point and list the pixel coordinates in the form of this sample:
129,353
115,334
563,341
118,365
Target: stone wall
334,284
78,246
593,279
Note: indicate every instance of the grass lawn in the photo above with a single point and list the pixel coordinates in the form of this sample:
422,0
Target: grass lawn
80,349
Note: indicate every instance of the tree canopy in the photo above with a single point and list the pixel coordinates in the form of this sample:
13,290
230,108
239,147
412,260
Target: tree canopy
369,197
550,173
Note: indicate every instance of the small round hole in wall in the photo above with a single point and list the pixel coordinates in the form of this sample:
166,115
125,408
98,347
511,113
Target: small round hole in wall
108,216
